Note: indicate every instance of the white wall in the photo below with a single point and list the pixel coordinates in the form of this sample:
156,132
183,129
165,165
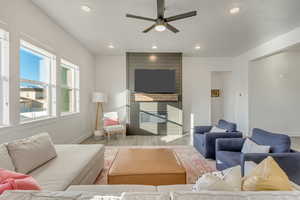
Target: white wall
241,68
111,79
196,75
25,21
229,96
274,93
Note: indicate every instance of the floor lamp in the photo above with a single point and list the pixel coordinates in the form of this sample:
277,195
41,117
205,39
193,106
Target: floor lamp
99,98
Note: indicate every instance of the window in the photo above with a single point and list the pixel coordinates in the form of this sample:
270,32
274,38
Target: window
4,81
69,88
37,83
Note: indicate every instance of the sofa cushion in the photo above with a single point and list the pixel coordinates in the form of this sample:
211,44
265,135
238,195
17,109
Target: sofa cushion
278,143
229,158
145,196
30,153
251,147
173,188
5,160
55,195
214,195
70,166
230,127
112,189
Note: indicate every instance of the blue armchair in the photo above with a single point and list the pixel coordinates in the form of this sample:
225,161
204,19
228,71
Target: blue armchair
205,142
228,153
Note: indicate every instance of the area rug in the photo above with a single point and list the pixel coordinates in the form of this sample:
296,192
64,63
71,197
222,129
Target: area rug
194,163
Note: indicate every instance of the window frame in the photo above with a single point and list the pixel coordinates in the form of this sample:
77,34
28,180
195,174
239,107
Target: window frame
4,78
50,83
75,87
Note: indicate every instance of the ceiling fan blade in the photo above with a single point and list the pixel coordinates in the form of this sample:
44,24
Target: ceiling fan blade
160,8
172,28
181,16
139,17
149,29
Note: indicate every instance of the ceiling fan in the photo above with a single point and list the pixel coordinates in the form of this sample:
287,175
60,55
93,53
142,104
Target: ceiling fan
162,23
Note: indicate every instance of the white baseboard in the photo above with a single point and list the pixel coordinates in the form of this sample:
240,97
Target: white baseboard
81,139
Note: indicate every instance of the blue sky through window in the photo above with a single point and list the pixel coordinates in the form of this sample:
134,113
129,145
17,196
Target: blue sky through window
30,66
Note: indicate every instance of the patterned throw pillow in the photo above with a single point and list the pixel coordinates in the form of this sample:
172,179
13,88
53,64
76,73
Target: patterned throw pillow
227,180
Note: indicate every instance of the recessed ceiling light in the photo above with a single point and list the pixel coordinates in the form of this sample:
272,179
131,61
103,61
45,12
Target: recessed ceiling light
234,10
197,47
111,46
154,47
86,8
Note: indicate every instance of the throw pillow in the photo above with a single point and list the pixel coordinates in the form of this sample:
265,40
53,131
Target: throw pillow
215,129
14,181
267,176
110,122
251,147
5,160
249,166
30,153
227,180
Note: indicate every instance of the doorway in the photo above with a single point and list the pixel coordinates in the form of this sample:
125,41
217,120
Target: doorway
222,96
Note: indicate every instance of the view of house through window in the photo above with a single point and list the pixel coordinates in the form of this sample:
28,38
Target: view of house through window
36,66
69,87
4,81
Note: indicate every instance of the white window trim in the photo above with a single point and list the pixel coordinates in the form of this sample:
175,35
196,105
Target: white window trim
75,87
4,78
50,84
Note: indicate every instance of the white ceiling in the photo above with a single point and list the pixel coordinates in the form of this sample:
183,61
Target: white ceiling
217,32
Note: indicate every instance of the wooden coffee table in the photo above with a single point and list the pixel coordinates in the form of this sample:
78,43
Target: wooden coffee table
146,167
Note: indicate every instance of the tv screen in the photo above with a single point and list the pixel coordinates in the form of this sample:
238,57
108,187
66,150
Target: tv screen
155,81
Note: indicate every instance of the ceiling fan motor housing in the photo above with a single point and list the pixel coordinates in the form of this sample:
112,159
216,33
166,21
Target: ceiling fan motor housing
162,23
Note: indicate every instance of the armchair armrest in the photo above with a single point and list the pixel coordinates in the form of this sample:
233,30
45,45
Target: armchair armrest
229,144
289,162
202,129
210,141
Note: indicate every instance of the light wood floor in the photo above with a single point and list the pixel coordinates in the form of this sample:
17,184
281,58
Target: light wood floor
138,140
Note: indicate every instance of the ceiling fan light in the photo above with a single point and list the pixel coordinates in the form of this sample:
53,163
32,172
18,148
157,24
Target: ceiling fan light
86,8
160,27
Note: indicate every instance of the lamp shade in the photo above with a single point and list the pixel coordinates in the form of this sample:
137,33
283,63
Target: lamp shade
99,97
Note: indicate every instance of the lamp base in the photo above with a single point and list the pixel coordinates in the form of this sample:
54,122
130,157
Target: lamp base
99,134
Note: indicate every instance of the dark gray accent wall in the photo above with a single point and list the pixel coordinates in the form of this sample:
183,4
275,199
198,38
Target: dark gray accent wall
154,118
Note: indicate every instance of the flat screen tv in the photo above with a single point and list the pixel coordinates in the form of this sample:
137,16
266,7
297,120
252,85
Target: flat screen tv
155,81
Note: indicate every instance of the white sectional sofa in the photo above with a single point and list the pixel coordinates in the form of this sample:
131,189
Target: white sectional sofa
54,167
74,165
151,195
